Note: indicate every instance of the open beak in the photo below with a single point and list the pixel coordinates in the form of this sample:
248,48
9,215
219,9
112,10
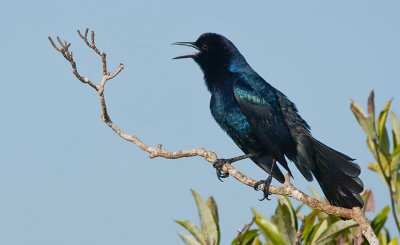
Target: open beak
189,55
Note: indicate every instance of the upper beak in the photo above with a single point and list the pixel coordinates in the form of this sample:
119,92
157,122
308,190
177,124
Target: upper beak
189,55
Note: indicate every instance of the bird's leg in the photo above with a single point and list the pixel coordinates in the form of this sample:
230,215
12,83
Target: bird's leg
220,162
266,183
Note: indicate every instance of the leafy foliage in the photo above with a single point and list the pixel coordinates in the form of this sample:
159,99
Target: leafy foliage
209,232
386,160
283,227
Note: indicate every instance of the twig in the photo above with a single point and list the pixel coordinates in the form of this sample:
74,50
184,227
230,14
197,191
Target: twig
299,233
288,190
68,56
243,230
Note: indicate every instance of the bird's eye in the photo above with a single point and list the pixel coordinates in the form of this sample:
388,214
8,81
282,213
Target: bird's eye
205,47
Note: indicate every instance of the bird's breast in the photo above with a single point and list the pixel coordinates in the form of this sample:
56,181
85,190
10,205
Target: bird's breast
228,115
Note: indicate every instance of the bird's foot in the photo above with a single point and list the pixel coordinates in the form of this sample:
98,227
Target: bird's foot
218,167
265,189
220,162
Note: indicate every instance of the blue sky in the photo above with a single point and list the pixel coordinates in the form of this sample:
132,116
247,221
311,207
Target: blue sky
66,178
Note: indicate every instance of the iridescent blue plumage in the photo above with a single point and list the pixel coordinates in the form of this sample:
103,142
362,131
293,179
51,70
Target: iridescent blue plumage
260,119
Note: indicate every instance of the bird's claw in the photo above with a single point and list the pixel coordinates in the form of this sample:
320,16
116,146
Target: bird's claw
265,189
218,167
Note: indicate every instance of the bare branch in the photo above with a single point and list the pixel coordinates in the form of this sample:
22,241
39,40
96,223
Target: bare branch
243,230
59,41
93,46
54,45
299,233
288,190
121,66
64,50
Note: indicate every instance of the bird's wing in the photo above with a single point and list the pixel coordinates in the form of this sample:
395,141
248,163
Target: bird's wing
257,100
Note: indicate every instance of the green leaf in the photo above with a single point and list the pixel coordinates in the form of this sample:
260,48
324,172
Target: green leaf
208,225
319,231
334,230
188,240
382,120
311,234
371,145
387,233
256,212
269,230
357,111
308,239
396,150
397,195
283,219
382,238
384,161
297,210
393,242
395,129
394,169
212,205
365,122
247,237
256,241
309,224
384,141
380,220
371,106
285,201
194,230
316,194
375,167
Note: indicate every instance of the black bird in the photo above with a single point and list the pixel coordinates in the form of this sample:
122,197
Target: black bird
266,126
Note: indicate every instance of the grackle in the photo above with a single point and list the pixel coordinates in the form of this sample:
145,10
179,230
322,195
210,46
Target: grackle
266,126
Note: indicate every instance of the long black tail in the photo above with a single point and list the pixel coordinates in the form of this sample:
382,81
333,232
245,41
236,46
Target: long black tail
337,175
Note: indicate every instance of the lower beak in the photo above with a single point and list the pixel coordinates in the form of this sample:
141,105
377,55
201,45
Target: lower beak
189,55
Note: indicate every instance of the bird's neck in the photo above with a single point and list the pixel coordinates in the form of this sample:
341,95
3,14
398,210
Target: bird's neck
218,79
222,76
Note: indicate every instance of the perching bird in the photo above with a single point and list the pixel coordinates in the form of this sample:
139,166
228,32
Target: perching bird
264,123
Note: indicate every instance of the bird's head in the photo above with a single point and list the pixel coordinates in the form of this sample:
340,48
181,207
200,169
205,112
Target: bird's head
215,52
